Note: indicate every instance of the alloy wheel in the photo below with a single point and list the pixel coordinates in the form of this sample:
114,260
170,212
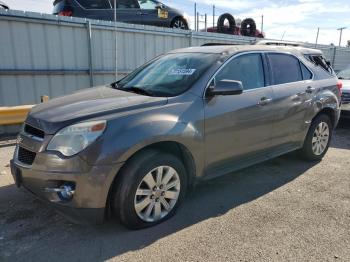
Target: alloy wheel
320,138
179,24
157,193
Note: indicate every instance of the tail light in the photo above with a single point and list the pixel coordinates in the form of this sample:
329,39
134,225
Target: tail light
65,13
340,86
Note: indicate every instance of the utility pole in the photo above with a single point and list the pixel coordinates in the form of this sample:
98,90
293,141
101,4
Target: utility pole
116,40
195,16
318,32
341,33
213,16
262,23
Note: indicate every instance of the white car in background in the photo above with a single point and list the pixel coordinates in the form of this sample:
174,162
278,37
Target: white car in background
344,76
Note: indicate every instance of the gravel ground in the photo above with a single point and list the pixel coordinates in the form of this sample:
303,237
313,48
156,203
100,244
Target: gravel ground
281,210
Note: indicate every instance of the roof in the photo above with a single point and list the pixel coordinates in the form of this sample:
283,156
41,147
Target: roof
231,49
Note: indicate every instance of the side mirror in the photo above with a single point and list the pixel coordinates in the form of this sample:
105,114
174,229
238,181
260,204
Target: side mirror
225,88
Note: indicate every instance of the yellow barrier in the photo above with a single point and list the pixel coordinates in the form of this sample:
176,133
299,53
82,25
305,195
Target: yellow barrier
14,114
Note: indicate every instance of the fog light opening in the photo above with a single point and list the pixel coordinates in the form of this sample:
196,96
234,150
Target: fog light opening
66,191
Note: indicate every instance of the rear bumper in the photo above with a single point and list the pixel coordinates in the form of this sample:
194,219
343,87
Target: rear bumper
91,190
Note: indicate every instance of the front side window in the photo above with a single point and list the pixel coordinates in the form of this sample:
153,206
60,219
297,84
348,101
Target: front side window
170,74
285,68
147,4
246,68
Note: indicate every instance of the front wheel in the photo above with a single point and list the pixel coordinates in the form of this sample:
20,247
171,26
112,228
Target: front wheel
151,187
318,138
179,23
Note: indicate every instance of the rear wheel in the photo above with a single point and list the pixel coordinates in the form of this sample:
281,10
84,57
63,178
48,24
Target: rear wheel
318,138
179,23
151,187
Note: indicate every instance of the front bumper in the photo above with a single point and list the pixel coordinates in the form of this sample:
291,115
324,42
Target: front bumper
91,187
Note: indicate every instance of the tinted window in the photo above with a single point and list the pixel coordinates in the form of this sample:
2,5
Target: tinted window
125,4
95,4
247,68
306,72
285,68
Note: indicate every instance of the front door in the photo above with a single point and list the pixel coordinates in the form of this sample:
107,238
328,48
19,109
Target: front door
238,127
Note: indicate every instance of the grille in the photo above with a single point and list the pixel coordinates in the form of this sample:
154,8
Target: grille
25,156
34,131
345,98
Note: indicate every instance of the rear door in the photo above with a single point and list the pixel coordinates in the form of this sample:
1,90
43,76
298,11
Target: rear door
238,127
128,11
292,88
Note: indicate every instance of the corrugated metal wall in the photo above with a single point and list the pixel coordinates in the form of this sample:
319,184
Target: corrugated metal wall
42,54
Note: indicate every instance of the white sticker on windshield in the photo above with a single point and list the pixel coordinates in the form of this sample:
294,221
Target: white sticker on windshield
182,72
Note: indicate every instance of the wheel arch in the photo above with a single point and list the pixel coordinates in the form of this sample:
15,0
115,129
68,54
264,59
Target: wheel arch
330,112
182,17
173,147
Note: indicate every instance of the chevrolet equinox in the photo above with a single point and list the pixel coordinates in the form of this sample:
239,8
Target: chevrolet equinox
134,147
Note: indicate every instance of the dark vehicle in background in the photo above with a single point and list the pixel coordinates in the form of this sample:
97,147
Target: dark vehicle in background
344,76
136,146
4,6
145,12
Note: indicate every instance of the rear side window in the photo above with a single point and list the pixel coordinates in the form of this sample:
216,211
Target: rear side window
285,68
247,68
95,4
306,72
319,60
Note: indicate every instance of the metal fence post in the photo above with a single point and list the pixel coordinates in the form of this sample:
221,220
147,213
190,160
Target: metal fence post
334,54
190,38
91,72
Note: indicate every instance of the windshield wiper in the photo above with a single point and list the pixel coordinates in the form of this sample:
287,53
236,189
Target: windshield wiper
138,90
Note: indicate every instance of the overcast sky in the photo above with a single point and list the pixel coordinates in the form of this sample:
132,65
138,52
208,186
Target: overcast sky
295,19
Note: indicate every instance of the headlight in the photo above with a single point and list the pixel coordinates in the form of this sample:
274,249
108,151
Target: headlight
75,138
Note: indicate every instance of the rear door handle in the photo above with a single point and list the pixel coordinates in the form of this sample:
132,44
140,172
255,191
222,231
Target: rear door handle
310,89
264,101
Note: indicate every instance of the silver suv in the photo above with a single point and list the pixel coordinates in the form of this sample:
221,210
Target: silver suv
134,147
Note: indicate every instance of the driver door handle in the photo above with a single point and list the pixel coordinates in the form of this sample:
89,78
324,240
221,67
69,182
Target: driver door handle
264,101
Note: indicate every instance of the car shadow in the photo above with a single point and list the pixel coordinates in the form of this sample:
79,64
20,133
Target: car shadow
341,139
44,234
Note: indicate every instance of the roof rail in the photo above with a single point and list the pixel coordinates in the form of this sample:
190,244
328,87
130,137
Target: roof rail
276,42
216,44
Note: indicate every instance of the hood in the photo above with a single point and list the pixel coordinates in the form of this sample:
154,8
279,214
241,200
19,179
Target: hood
86,104
346,85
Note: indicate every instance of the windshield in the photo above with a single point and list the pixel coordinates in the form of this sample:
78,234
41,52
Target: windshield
168,75
345,74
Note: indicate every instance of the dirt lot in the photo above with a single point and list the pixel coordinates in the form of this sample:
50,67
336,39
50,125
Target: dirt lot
284,209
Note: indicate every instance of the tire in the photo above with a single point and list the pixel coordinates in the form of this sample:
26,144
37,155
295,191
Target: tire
179,23
221,24
310,150
248,27
125,202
